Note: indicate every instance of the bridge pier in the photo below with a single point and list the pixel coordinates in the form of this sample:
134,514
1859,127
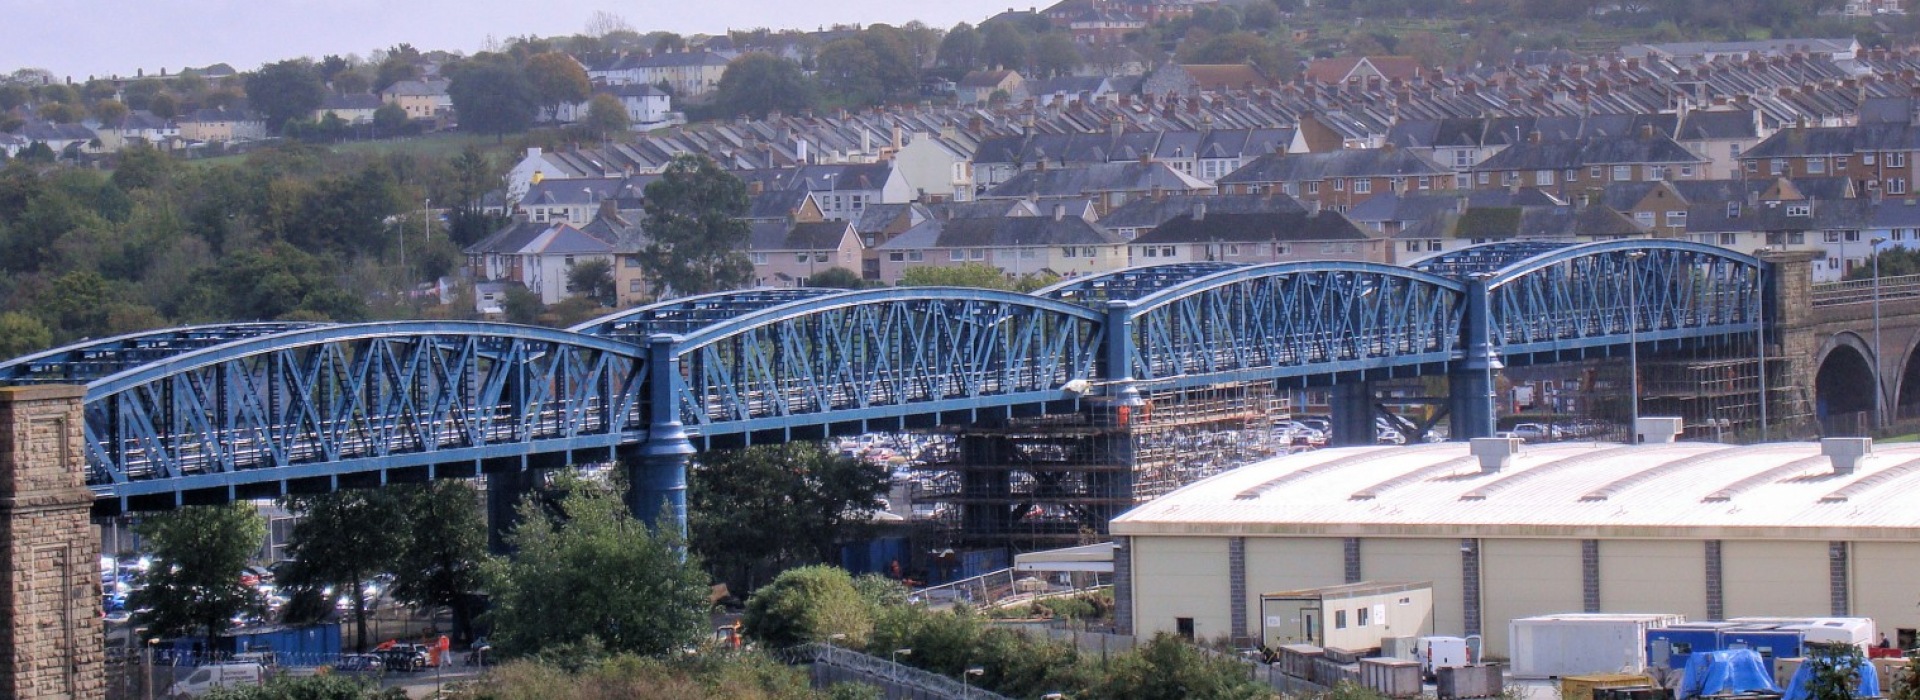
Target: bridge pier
1353,414
50,638
657,478
505,489
1470,383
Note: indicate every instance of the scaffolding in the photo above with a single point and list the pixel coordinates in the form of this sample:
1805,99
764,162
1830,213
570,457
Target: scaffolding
1051,481
1718,396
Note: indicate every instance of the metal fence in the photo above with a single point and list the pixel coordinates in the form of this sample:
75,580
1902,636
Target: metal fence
899,681
1861,291
1005,586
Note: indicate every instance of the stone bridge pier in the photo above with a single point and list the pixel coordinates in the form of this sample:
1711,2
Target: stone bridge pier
1851,372
50,636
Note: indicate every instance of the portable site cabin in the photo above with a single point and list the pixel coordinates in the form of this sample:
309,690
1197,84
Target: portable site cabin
1572,644
1352,616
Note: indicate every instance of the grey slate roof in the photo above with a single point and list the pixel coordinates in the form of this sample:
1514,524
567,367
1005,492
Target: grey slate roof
1304,167
1323,225
1148,212
1824,214
805,235
1623,195
1583,152
1002,232
1839,140
1099,177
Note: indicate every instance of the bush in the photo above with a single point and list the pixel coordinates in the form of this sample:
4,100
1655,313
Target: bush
809,604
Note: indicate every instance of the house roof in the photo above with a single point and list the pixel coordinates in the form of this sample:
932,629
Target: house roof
417,88
1328,71
1231,76
1070,85
1243,227
982,79
1775,215
355,101
1524,222
1304,167
768,236
1002,232
1148,212
1099,177
1583,152
1841,140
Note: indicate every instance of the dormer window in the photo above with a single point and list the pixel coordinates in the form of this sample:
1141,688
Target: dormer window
1733,210
1799,210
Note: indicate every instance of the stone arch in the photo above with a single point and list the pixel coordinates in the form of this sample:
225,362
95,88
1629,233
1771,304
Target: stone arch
1843,385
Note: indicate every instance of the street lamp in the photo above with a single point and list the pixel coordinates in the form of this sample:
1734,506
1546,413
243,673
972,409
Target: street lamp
1879,392
1633,341
830,645
895,657
966,688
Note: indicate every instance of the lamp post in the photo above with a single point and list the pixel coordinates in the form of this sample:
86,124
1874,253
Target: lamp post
895,657
1633,342
1879,390
966,688
830,645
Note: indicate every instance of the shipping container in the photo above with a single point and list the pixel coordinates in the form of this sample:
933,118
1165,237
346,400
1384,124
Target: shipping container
1297,659
1393,678
1352,616
1670,646
1582,687
1556,646
1469,682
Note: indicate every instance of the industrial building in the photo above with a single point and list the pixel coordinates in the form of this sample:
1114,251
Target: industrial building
1504,531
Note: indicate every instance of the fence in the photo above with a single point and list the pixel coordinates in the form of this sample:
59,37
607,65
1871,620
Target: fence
1861,291
1006,586
1091,641
898,681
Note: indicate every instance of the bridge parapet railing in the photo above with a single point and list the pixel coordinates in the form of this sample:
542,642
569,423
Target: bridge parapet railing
1861,291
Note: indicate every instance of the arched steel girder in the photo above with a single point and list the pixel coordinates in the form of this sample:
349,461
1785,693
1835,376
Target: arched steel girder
1484,258
89,360
882,353
689,314
337,399
1582,296
1094,291
1288,319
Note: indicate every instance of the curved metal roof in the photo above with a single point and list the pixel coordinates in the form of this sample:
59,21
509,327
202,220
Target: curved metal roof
1686,489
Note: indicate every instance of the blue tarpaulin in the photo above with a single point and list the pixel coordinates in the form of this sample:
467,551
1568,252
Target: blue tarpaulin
1726,673
1868,687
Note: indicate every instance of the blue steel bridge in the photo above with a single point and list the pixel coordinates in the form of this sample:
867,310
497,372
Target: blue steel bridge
245,410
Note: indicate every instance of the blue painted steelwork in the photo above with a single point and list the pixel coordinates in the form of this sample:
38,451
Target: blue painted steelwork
1292,319
1094,291
339,399
1484,258
690,314
882,353
89,360
1578,297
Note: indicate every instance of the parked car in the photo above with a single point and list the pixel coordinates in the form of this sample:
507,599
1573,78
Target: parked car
1535,432
403,658
360,663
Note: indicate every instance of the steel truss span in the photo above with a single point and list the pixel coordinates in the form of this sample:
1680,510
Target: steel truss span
1484,258
1094,291
690,314
89,360
338,399
882,353
1582,296
1293,319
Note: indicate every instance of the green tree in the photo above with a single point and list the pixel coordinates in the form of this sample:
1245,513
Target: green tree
109,112
522,305
389,119
12,96
557,79
326,687
21,334
639,594
849,69
164,106
492,96
606,117
286,91
439,559
759,83
1055,55
342,539
964,275
699,240
767,507
1168,668
960,48
837,278
1835,671
592,279
142,166
199,553
809,604
1004,45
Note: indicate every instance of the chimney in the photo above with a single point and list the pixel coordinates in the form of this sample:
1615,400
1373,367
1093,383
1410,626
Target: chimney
533,151
1494,453
1460,204
1646,131
756,188
1533,136
1846,452
896,138
1059,212
1199,211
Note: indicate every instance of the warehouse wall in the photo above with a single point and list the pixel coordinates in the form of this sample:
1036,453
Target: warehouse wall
1654,576
1776,578
1276,564
1177,577
1433,559
1522,578
1883,576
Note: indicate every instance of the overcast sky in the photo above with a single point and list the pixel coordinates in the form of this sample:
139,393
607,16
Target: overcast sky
106,37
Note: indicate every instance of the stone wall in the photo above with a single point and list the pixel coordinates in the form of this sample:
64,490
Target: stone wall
50,636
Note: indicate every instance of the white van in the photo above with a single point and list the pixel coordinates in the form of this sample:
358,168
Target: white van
205,678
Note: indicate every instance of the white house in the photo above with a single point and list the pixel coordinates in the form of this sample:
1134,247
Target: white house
648,107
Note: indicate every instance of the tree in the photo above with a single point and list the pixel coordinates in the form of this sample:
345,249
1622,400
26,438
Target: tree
964,275
492,96
12,96
557,79
837,278
849,69
521,305
592,279
163,106
759,83
1834,671
439,559
699,240
1168,668
770,506
286,91
199,553
109,112
21,334
342,539
586,569
960,48
809,604
606,116
389,119
1004,46
1055,55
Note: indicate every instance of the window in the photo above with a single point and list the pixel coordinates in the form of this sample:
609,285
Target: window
1656,172
569,261
1149,252
1183,626
1866,159
1799,210
1361,617
1839,163
1850,236
1339,185
1900,234
1069,252
1593,173
896,257
1779,166
1645,218
1339,619
1896,185
1896,160
1166,251
1729,239
1733,210
1753,166
1433,246
1733,152
915,256
1510,178
1426,182
759,258
631,260
1677,219
1313,187
1362,186
1462,159
1481,177
1543,178
800,257
1686,170
1816,166
1233,250
636,286
1413,246
957,255
1622,173
1572,175
1833,237
977,254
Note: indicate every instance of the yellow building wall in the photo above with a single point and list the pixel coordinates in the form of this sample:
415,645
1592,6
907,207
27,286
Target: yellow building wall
1436,560
1177,577
1276,564
1775,578
1523,578
1883,577
1654,576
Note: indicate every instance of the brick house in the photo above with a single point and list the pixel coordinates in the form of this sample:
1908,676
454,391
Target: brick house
1342,179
